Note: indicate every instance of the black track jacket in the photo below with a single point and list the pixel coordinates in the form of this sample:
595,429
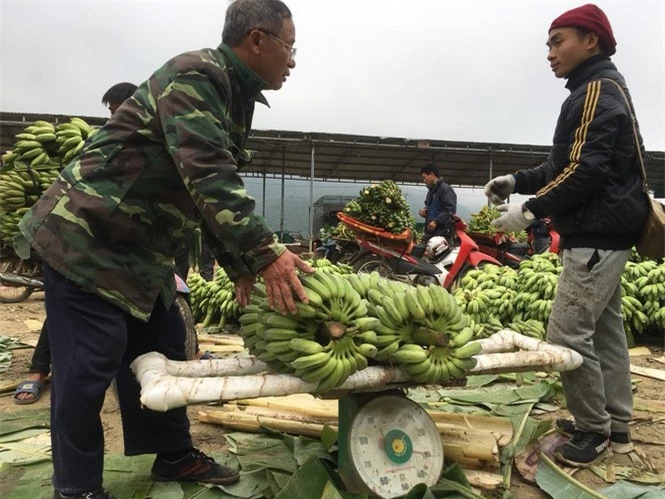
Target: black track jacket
591,185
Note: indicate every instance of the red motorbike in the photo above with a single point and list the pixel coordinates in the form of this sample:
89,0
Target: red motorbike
442,261
503,247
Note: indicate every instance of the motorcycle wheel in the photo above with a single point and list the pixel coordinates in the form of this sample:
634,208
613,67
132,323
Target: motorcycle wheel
14,294
191,342
345,256
373,263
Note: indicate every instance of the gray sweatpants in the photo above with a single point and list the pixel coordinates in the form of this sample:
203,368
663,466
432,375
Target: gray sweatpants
586,317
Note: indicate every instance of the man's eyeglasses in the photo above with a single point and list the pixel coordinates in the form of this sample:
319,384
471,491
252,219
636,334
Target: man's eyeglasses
292,49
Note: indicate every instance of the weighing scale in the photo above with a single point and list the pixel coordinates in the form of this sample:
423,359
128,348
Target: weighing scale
388,444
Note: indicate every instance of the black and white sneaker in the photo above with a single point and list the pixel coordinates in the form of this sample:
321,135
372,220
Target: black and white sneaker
620,441
584,449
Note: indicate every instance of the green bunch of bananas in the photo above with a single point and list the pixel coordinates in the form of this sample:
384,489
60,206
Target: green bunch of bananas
71,137
481,223
422,329
341,231
382,205
325,342
213,302
652,292
325,265
20,188
536,284
492,326
531,327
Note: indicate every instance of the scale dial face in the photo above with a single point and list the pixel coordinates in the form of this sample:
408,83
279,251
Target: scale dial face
394,445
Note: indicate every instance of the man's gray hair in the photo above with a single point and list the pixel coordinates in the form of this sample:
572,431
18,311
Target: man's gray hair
242,16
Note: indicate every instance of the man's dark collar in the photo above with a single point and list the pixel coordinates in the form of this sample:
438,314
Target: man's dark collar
586,70
249,81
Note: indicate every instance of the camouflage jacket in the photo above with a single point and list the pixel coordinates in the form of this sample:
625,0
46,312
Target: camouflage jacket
163,164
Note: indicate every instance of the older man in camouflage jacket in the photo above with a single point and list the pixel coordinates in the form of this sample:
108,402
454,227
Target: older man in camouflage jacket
109,228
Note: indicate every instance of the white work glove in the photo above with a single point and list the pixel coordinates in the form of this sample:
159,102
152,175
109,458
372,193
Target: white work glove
513,219
499,188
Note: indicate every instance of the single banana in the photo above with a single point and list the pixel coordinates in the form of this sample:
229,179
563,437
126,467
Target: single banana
386,353
310,361
318,373
306,346
407,355
468,350
414,307
277,334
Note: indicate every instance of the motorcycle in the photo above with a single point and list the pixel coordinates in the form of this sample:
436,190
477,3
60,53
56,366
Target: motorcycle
506,249
438,262
18,278
336,250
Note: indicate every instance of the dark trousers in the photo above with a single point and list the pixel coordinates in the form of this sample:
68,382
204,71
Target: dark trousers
41,357
92,342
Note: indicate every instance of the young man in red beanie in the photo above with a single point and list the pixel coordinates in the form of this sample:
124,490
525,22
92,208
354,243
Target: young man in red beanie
591,188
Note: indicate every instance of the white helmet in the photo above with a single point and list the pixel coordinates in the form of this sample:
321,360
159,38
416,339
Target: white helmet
436,248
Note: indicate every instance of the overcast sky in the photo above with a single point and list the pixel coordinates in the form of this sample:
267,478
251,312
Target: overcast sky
467,70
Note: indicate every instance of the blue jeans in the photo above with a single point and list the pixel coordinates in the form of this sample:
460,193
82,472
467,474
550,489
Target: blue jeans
93,342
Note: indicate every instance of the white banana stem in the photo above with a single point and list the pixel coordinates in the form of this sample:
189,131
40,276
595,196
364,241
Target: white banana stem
167,384
530,354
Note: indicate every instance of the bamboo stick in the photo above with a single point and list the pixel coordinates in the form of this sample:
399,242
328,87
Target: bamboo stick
649,372
221,339
301,403
468,449
236,418
218,348
266,412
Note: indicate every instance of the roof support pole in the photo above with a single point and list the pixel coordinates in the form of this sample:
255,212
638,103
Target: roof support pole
491,172
281,204
263,199
311,202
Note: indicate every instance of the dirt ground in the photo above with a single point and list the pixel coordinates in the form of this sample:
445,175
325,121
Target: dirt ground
647,427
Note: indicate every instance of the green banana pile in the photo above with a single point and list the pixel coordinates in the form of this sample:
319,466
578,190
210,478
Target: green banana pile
643,296
536,284
32,165
328,340
20,188
213,302
522,300
421,330
481,224
382,205
497,297
488,293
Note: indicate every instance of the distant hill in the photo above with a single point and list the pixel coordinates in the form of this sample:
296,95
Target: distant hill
296,200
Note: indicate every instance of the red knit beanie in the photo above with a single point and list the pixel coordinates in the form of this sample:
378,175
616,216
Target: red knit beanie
589,17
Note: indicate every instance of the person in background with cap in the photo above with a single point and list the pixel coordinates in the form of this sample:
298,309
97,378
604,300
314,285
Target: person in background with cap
591,188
